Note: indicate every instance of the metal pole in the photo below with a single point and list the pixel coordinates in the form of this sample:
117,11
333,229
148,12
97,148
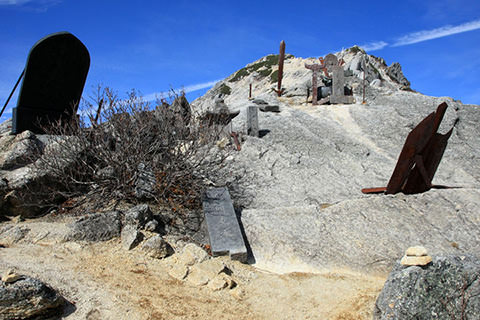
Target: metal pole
363,102
364,70
281,58
11,93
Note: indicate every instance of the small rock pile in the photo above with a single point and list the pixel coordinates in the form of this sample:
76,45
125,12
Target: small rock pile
416,256
193,265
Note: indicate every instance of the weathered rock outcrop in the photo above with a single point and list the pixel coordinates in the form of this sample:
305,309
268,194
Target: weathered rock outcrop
16,151
367,234
22,183
395,73
448,288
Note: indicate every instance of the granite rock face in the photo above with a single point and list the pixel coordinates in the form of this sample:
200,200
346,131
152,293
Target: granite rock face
18,150
395,73
29,298
366,234
299,184
449,288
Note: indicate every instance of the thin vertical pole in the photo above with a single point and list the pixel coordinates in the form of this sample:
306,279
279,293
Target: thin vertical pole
281,58
364,71
363,102
11,93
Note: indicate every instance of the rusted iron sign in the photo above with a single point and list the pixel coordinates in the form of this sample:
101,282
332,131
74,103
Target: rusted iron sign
420,156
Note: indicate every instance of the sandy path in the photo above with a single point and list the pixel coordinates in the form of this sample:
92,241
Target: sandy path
103,281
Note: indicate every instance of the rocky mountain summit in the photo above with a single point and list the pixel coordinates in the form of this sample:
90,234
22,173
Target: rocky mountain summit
263,75
296,189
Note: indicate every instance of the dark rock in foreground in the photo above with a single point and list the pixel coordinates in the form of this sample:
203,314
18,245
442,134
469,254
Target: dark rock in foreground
449,288
29,298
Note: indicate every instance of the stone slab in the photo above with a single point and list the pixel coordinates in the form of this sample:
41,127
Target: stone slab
252,121
270,108
338,81
223,227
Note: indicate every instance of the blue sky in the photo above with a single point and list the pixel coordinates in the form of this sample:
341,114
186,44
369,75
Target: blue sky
153,46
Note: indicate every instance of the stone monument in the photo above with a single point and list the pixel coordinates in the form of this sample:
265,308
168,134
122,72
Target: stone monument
55,75
338,80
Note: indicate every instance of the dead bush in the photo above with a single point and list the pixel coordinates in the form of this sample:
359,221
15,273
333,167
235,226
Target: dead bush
131,151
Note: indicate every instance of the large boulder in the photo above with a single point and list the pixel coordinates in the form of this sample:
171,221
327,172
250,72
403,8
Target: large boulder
29,298
448,288
18,151
23,176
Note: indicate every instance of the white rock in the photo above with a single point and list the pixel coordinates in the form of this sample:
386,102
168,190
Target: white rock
191,254
10,276
130,236
220,282
417,251
202,273
178,271
415,261
157,248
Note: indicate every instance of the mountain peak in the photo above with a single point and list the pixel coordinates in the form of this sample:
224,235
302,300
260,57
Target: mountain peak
262,75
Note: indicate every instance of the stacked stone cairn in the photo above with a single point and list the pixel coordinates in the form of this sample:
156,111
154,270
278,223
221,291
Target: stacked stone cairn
416,256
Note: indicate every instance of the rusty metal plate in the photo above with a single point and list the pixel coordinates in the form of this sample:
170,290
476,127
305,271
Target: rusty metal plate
420,157
415,142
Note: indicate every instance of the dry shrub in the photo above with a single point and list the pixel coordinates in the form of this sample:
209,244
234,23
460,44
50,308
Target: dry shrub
133,152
